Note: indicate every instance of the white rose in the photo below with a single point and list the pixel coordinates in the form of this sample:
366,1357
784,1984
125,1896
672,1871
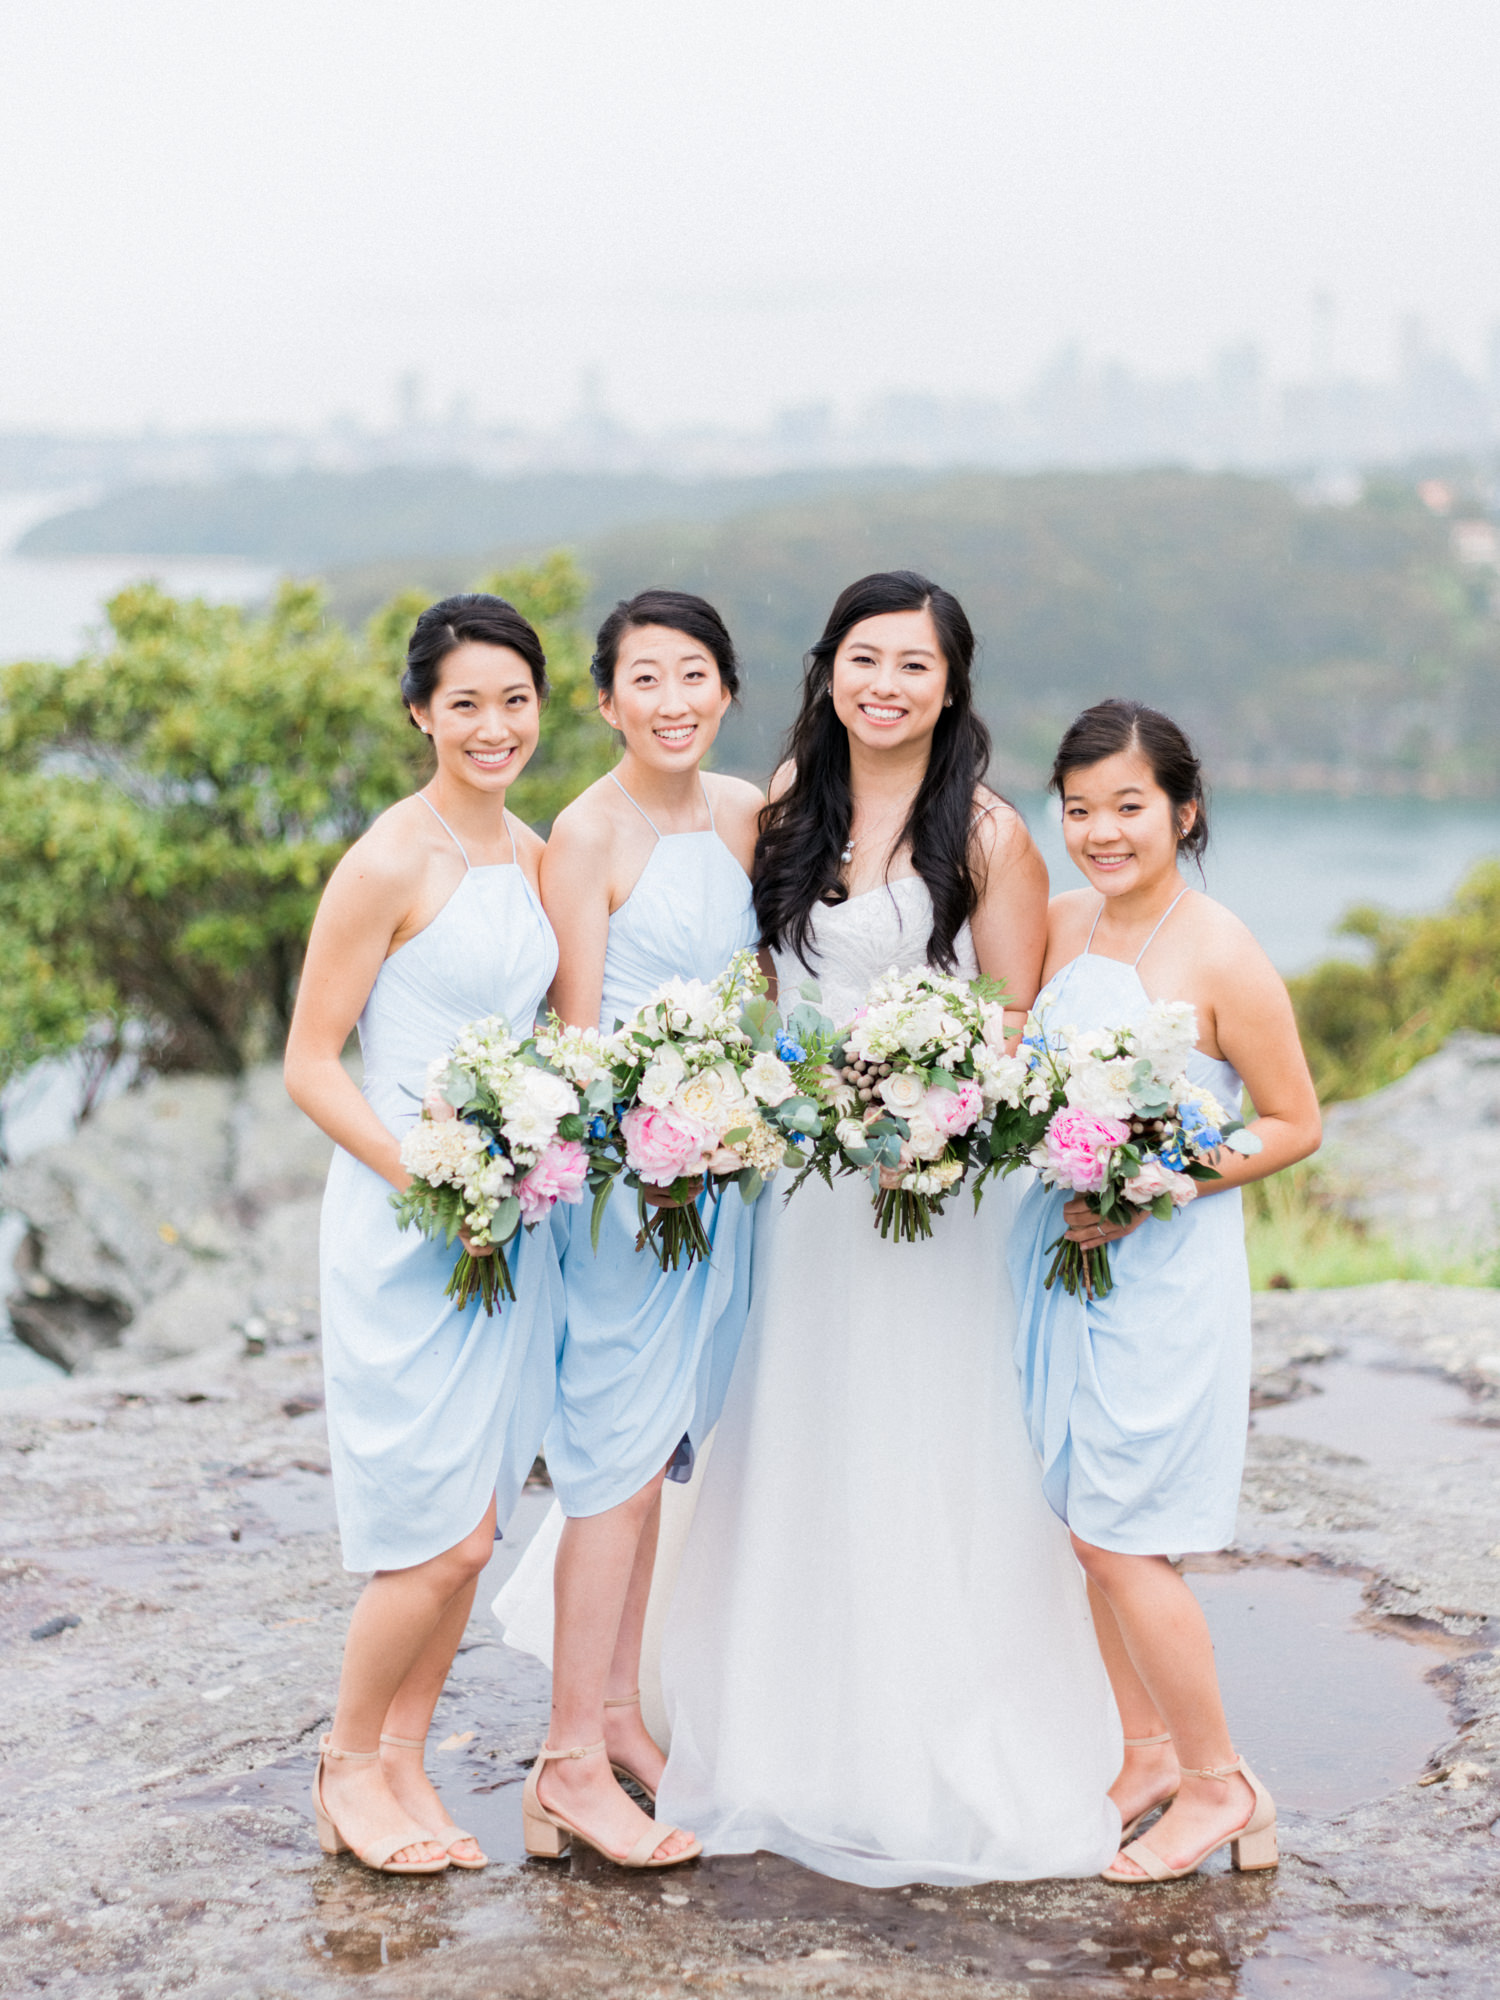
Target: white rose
705,1096
724,1161
850,1133
769,1079
1155,1180
543,1092
926,1141
903,1091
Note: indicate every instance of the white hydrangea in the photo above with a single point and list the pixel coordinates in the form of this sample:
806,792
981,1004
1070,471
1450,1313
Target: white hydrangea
444,1151
1166,1036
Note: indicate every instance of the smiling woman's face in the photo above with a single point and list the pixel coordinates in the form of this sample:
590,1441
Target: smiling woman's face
667,700
1120,827
890,680
484,717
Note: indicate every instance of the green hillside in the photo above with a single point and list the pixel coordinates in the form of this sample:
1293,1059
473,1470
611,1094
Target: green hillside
1303,647
313,520
1306,647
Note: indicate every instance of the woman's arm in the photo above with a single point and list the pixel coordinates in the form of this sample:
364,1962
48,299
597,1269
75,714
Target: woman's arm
1010,925
576,887
1255,1027
363,907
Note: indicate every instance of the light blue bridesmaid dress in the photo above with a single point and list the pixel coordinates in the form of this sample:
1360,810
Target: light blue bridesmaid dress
432,1410
1138,1403
647,1354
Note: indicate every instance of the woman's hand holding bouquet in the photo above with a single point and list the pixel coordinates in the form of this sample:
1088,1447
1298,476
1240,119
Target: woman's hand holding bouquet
919,1071
501,1139
1111,1116
703,1090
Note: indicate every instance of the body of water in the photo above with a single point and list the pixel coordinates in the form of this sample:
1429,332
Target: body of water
50,606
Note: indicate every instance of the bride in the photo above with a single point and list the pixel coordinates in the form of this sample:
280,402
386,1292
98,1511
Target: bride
878,1658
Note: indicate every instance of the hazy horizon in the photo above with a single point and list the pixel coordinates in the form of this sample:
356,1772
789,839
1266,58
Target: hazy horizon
224,218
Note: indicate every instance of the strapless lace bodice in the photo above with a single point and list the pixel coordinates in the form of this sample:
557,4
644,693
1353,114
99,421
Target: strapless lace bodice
853,943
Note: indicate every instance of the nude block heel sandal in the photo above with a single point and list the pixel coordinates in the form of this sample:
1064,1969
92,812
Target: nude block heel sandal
378,1855
624,1770
1129,1831
549,1835
446,1836
1251,1846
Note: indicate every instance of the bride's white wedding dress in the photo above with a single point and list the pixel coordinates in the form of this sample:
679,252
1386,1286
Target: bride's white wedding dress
878,1657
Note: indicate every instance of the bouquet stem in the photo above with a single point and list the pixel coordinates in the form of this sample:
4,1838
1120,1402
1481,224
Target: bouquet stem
905,1217
1080,1270
487,1279
675,1235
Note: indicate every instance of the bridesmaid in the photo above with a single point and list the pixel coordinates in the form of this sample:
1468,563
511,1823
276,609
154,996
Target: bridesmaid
432,919
646,877
1138,1402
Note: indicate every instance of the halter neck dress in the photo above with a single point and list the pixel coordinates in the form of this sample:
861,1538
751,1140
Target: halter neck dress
432,1410
646,1353
1138,1403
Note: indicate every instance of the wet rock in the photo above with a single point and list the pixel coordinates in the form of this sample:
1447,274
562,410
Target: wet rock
157,1756
181,1219
1389,1157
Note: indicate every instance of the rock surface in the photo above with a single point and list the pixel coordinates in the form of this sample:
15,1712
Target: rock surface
181,1219
1420,1160
157,1753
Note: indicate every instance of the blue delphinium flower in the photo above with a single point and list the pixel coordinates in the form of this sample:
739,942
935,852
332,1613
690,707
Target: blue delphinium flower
1171,1155
789,1050
597,1127
1197,1128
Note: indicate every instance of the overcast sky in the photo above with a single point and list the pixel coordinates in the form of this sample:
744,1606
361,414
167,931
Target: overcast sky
264,211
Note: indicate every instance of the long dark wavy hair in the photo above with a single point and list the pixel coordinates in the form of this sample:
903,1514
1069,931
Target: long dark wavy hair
802,834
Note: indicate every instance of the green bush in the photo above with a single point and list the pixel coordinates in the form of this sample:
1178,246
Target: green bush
1364,1025
171,807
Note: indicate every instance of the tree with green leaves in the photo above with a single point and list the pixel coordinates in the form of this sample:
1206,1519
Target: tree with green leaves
172,804
1364,1025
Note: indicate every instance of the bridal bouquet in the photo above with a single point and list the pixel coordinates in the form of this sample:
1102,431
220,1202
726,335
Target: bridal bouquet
706,1086
1114,1118
924,1067
499,1142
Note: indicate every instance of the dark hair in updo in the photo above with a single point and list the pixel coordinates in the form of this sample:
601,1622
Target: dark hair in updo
1112,726
679,611
799,855
458,621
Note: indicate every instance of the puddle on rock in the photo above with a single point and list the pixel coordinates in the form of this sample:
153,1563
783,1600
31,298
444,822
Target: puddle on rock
1386,1415
1327,1710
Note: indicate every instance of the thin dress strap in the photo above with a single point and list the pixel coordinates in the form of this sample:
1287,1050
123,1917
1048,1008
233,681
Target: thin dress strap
1092,928
703,787
452,835
639,808
1164,915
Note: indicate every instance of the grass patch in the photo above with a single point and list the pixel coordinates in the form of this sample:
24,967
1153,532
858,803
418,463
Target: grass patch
1296,1238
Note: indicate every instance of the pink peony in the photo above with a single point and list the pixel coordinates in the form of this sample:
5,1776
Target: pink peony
662,1143
953,1111
559,1175
436,1108
1078,1148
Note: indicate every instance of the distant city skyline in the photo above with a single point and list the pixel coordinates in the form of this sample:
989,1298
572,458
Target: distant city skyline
1076,412
251,219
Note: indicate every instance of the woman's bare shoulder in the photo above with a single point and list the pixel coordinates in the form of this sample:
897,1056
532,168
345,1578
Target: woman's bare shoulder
586,826
394,849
